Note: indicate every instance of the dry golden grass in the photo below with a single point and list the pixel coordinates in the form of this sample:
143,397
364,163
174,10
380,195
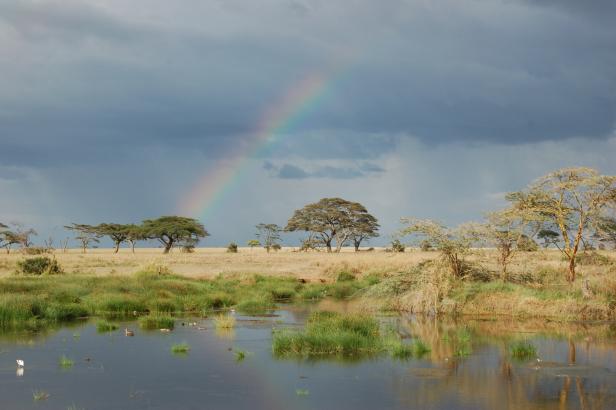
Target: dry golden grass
210,262
312,266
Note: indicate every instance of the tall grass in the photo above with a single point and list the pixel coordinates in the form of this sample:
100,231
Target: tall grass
329,333
180,348
103,326
523,351
151,322
224,322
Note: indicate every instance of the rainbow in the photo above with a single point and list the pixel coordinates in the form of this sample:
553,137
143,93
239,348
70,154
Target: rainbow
273,126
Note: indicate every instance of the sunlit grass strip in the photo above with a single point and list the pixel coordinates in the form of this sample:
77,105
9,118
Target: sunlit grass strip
180,348
523,351
152,322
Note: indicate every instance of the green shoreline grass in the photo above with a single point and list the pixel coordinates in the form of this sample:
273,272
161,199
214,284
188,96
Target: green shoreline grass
30,302
330,334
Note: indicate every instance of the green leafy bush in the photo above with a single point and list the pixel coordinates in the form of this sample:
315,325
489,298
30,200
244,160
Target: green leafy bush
232,247
41,265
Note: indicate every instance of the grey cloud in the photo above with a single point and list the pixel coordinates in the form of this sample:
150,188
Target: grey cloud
288,171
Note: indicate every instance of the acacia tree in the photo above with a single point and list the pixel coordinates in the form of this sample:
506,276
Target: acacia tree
23,235
85,234
548,236
503,230
171,230
364,227
19,236
269,235
329,220
567,201
253,243
134,234
118,233
452,243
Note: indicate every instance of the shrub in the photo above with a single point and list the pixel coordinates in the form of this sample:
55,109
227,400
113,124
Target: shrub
232,247
42,265
276,247
397,246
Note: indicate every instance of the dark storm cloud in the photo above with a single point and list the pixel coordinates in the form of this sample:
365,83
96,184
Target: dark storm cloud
200,75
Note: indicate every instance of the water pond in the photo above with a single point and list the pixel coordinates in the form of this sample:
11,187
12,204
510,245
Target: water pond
470,365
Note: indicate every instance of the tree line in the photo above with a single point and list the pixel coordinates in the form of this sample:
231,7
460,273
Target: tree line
569,209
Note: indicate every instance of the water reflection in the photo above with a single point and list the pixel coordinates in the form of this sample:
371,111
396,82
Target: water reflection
469,366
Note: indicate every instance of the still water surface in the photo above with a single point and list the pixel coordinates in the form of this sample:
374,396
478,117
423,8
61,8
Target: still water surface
577,368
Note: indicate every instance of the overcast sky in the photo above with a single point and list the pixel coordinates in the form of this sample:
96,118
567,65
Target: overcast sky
112,110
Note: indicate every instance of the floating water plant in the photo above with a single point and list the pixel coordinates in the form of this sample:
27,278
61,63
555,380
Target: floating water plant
151,322
65,362
523,351
302,392
180,348
240,355
39,395
103,326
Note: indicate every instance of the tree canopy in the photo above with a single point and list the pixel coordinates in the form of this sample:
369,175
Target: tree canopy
334,220
269,235
174,230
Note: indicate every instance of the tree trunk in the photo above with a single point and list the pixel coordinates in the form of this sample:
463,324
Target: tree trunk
168,246
357,246
571,275
117,247
328,245
132,245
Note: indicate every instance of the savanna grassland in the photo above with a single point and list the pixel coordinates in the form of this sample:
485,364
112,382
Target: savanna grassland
100,283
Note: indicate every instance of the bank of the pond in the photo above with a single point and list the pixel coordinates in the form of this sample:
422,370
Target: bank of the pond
29,301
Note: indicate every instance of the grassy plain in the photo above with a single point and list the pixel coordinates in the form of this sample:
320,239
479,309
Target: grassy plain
101,282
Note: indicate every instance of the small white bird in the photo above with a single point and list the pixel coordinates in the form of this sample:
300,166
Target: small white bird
20,363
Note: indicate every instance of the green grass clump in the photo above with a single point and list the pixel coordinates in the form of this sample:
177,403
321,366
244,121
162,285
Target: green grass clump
313,292
65,362
103,326
523,351
329,333
404,351
256,306
151,322
39,395
180,348
302,392
224,322
240,355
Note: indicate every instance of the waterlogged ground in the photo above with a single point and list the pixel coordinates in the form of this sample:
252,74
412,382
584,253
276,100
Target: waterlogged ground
469,367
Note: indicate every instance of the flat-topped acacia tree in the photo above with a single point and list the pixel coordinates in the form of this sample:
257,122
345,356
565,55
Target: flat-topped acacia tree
171,230
334,220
